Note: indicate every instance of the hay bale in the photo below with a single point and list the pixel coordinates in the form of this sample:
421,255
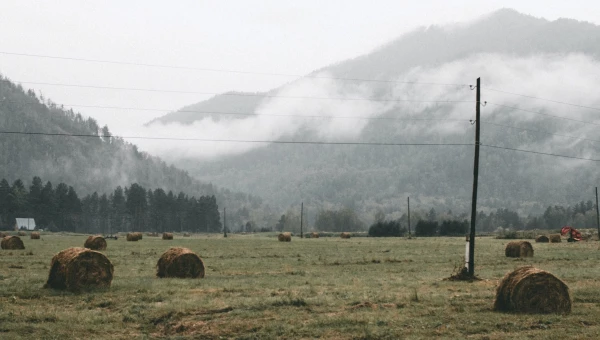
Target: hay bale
167,236
542,239
22,233
532,290
519,249
180,262
35,235
77,268
284,237
95,243
187,234
345,235
314,235
11,243
134,236
152,234
3,234
555,238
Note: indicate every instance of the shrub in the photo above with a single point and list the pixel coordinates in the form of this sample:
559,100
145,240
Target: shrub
454,228
387,229
426,228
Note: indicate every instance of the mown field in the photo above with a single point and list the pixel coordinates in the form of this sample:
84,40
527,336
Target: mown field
258,288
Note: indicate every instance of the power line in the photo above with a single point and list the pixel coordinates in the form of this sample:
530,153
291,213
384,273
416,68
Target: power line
265,114
225,70
541,131
232,140
544,99
540,153
243,94
543,114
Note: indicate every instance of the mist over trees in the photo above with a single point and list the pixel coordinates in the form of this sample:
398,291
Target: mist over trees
131,208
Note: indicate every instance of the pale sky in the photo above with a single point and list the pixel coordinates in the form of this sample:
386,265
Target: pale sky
291,37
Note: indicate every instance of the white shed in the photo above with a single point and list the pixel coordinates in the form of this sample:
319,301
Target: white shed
25,223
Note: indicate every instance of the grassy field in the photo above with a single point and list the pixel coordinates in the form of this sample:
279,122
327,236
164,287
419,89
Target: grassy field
258,288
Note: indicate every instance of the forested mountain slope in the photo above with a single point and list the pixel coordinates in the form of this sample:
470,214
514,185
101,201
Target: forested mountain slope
510,51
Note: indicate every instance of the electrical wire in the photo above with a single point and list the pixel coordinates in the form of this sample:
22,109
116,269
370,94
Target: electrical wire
543,114
226,71
544,99
541,131
540,153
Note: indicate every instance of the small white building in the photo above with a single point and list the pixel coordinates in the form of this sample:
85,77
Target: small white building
25,223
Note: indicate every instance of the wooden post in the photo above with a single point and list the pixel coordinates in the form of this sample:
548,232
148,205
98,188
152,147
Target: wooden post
301,220
224,222
475,179
597,215
408,202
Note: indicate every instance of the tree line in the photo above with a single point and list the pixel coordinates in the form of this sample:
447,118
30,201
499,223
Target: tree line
132,208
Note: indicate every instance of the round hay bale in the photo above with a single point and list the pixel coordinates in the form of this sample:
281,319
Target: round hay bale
284,237
134,236
95,243
3,234
187,234
77,268
22,233
519,249
542,239
555,238
11,243
35,235
139,235
314,234
345,235
167,236
532,290
180,262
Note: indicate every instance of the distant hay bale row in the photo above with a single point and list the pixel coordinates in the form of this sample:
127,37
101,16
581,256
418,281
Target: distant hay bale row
134,236
152,234
542,239
555,238
95,243
12,243
180,262
78,268
345,235
314,235
35,235
519,249
167,236
22,233
531,290
285,237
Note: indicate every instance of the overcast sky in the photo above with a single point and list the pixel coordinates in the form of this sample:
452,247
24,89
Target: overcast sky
291,37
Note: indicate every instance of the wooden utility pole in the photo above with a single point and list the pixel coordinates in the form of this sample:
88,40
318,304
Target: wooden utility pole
224,222
597,215
301,220
475,178
408,202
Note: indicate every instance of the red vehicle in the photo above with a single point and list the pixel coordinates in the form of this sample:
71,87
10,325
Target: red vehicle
574,234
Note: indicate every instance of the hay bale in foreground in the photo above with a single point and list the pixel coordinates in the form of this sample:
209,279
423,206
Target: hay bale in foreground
519,249
180,262
11,243
35,235
167,236
77,268
532,290
542,239
134,236
555,238
96,242
345,235
284,237
22,233
314,235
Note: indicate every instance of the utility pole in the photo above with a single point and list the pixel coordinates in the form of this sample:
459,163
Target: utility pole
597,216
301,220
408,201
475,178
224,222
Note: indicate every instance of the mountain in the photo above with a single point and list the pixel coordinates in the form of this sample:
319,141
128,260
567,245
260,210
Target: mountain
89,164
509,50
